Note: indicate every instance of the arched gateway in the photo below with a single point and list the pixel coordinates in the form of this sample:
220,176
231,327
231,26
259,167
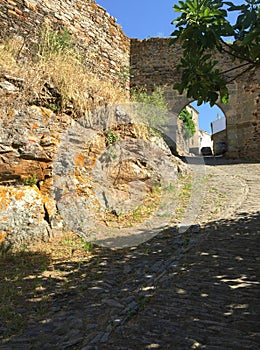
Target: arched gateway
153,63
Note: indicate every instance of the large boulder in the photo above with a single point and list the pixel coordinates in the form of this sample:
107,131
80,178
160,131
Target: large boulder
58,173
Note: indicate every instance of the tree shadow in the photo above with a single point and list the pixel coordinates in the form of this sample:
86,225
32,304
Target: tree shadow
19,280
213,271
210,299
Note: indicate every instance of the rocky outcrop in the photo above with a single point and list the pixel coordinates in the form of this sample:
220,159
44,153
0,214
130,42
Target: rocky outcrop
58,174
23,216
28,139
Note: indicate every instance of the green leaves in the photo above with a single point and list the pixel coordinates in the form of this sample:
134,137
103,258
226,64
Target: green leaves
188,124
200,30
201,79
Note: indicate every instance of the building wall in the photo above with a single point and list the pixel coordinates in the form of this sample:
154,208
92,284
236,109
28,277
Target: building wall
218,137
218,125
193,142
205,140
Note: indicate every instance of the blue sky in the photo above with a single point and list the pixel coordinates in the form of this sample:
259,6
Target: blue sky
152,18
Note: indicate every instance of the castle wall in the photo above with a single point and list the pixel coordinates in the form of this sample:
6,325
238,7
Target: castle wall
105,47
154,62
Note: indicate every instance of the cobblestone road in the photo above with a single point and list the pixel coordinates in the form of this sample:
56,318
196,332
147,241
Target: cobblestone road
211,299
199,290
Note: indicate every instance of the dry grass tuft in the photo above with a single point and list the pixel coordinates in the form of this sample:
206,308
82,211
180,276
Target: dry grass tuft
54,75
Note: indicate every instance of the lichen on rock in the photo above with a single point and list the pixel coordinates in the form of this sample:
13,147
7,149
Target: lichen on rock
58,174
22,216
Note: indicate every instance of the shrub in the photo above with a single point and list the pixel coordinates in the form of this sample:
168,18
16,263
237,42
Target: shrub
111,136
54,41
153,107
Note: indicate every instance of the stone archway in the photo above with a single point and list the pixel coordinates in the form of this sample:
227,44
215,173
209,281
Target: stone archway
153,63
176,104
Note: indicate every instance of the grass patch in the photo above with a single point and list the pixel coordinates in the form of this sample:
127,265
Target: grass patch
139,214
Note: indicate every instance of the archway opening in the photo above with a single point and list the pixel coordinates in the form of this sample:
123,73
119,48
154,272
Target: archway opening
207,135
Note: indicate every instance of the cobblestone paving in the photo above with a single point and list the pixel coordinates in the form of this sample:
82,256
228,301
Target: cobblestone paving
197,290
211,299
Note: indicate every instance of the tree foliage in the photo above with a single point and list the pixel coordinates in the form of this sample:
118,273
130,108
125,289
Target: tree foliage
201,29
188,124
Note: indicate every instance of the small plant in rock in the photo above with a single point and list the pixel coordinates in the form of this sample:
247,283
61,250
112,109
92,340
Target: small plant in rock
170,188
123,74
111,137
88,247
137,214
54,41
31,180
183,195
54,107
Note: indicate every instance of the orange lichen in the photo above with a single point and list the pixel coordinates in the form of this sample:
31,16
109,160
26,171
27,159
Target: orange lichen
92,162
2,236
18,195
4,197
11,113
34,125
50,205
80,160
46,113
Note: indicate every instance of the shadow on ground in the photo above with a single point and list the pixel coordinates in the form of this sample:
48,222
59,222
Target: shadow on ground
213,285
218,160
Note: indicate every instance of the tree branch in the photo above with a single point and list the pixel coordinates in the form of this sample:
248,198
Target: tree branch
234,68
246,70
237,55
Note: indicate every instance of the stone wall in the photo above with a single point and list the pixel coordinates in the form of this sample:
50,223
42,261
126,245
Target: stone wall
104,45
154,61
220,136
